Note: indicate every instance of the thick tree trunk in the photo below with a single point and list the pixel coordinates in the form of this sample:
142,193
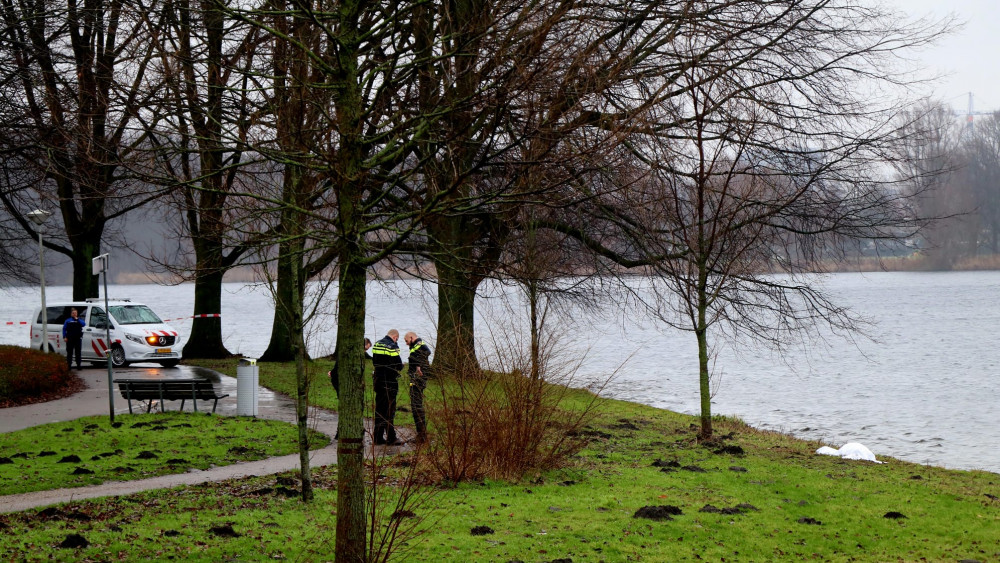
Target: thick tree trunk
456,341
205,340
206,218
280,347
85,283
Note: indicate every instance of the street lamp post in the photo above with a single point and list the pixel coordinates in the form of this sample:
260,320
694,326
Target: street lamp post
100,266
38,217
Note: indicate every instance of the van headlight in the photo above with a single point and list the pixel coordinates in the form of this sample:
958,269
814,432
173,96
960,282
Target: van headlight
135,338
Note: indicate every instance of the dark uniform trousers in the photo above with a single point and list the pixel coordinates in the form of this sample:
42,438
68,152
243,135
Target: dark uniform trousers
420,370
417,386
74,349
385,408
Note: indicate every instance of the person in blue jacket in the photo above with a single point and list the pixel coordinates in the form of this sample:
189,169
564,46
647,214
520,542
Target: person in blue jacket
73,335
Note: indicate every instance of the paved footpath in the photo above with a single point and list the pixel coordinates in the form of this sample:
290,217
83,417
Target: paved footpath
94,401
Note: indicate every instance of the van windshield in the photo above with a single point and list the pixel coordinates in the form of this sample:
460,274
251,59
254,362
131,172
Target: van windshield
134,315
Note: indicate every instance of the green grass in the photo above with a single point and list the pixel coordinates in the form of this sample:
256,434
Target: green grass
796,505
35,459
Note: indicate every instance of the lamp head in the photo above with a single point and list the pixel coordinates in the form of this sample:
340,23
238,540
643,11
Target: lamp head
39,216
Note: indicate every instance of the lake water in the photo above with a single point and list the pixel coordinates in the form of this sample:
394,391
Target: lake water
925,392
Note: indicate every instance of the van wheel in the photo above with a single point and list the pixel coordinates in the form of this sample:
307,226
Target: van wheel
118,356
170,363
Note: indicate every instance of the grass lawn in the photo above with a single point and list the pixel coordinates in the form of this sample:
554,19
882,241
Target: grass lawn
643,490
89,451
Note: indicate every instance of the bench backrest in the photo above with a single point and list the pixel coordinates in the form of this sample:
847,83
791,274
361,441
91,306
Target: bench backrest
150,389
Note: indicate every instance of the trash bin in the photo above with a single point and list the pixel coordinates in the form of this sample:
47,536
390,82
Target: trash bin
247,378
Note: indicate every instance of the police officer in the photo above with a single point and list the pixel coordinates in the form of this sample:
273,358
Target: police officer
73,334
419,370
388,365
335,377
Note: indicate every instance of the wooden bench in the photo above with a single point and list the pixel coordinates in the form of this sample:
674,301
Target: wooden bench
168,390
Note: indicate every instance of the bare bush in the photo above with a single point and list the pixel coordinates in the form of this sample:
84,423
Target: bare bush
395,504
502,423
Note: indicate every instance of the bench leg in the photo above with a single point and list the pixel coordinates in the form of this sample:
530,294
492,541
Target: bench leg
215,404
182,404
149,407
130,405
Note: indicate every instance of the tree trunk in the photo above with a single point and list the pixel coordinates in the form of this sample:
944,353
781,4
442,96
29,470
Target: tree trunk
205,340
205,212
291,280
536,356
456,344
701,331
351,529
85,283
293,314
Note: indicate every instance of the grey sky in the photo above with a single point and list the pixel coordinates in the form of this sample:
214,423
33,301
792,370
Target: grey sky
968,56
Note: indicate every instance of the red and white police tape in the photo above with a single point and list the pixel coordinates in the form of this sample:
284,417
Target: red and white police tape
204,316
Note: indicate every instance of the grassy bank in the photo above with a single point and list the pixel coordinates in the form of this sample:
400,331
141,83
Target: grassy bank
642,490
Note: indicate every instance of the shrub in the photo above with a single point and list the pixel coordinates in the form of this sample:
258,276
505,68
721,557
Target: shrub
502,422
27,373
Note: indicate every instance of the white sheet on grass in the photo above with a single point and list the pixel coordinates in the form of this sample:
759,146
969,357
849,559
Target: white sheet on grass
850,450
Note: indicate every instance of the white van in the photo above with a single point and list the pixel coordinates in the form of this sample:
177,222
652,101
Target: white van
137,333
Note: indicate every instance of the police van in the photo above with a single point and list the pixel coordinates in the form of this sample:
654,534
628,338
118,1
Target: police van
136,333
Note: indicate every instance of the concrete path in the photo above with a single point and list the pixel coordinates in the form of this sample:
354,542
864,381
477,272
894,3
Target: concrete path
94,401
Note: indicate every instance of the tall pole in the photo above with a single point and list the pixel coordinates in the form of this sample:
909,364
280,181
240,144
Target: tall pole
100,266
38,217
41,277
107,329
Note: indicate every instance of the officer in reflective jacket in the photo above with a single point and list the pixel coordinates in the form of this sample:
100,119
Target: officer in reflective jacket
419,370
388,365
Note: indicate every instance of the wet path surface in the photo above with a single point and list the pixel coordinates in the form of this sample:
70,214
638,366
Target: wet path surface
94,399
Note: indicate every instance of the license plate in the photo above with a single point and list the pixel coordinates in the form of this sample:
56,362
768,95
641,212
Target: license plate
163,350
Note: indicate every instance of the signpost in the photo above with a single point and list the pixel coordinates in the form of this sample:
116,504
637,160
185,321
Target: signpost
100,266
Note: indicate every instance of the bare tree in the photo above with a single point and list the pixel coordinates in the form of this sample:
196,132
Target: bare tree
544,91
930,163
75,84
196,142
771,165
984,176
358,59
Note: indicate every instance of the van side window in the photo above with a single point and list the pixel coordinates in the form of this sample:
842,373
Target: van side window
55,316
98,318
